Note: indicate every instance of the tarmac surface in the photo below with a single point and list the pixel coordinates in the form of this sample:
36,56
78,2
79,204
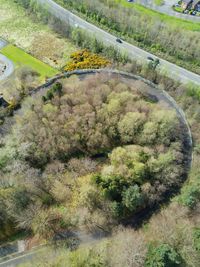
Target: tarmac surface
6,65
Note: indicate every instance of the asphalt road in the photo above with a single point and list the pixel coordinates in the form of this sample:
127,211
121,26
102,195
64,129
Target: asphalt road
31,256
4,61
108,39
20,259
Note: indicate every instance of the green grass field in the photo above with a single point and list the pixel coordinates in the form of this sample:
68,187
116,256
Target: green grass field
184,24
21,59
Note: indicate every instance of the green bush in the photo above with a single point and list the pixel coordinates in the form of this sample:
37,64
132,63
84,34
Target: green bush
132,198
196,238
159,2
194,91
162,256
57,88
190,195
86,258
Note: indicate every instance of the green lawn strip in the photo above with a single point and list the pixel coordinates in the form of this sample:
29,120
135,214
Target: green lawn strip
178,9
21,58
185,24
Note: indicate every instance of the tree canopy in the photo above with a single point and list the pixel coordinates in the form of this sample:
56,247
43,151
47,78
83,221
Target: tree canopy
96,145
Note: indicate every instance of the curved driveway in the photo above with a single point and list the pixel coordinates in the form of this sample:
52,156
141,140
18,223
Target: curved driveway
170,69
5,62
9,67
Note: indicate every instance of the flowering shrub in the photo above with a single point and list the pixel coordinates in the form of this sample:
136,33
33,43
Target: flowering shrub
84,59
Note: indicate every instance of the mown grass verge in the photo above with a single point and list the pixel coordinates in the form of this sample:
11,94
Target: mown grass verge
20,58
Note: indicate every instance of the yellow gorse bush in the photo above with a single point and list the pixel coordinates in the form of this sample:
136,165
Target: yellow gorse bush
84,59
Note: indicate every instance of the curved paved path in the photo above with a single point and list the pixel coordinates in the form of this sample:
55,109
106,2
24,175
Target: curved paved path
166,8
171,70
4,61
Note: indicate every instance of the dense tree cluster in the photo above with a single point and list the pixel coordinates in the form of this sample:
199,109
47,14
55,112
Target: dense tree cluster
97,149
162,255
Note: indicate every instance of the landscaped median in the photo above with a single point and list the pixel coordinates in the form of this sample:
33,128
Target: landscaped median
22,59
